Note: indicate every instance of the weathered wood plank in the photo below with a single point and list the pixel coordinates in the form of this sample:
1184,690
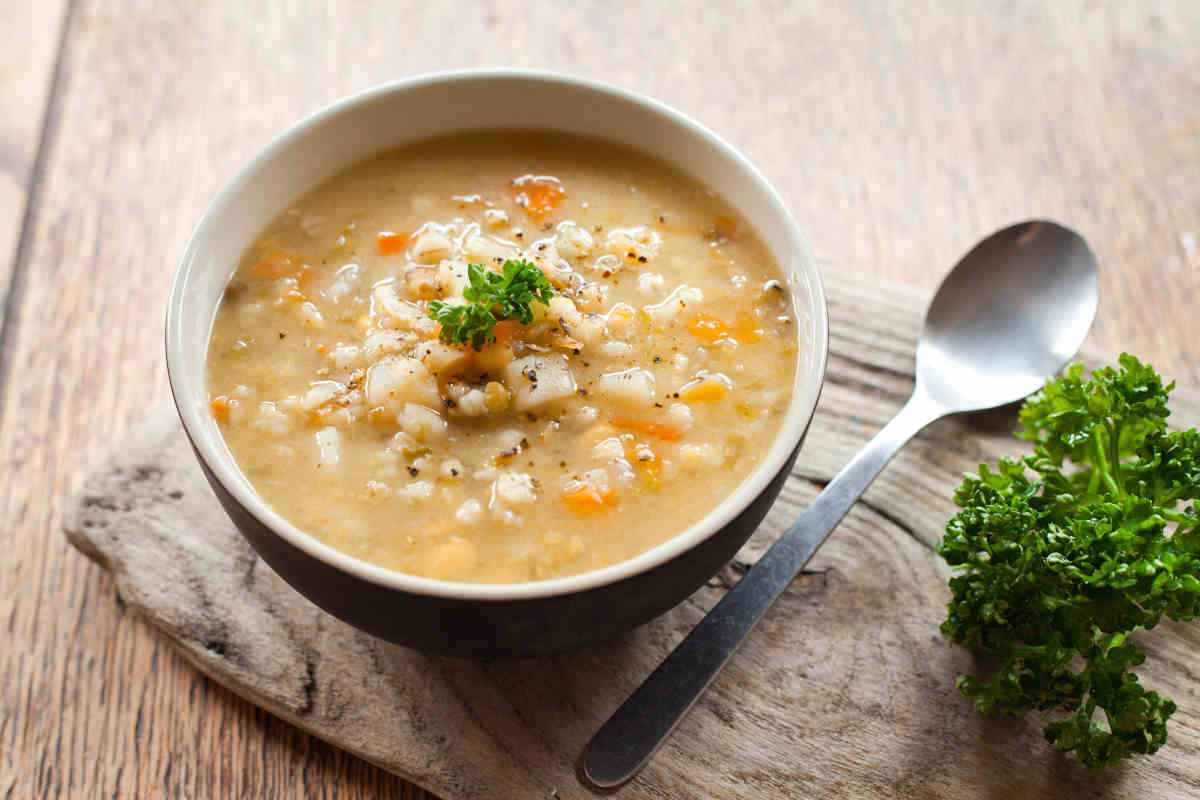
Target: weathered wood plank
898,133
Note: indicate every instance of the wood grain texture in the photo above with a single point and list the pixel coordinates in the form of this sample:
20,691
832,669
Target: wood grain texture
31,38
846,689
898,133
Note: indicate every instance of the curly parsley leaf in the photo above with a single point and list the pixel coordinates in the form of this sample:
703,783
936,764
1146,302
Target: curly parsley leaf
1061,555
491,297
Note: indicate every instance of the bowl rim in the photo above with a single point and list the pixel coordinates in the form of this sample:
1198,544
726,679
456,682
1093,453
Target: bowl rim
224,469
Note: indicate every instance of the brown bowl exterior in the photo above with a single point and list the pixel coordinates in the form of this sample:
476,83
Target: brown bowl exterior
473,628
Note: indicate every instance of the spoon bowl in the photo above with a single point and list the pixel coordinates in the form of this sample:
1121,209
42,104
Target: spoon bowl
1012,313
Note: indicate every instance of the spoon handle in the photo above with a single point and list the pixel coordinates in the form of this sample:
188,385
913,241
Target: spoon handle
639,727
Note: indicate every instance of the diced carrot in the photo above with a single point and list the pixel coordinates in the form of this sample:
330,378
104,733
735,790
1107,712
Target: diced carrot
504,330
746,328
322,349
275,263
587,499
703,390
658,430
707,328
220,408
539,195
389,243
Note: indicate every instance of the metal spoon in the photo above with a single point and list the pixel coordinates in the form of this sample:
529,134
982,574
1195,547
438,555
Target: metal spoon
1010,315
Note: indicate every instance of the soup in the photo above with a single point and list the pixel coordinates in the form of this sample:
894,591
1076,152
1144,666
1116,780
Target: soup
502,357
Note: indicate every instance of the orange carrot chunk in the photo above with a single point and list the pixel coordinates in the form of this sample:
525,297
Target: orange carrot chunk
220,408
539,195
587,499
747,329
389,243
707,328
659,430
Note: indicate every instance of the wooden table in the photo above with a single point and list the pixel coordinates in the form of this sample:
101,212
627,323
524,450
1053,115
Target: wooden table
898,132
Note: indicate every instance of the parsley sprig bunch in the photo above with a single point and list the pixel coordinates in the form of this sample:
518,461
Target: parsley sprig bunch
1061,555
491,297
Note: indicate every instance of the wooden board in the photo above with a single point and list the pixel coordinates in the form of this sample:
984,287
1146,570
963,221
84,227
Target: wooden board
898,133
846,689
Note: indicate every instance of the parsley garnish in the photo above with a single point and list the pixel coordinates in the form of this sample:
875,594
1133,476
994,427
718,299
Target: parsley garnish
491,297
1061,555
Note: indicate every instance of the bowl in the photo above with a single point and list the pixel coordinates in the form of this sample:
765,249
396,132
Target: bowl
469,619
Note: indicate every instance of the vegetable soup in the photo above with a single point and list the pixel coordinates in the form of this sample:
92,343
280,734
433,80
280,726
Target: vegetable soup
502,357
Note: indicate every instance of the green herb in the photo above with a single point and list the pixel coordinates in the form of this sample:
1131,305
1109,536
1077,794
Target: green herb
1062,555
491,297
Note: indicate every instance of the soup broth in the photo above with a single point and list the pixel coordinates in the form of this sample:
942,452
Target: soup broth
642,393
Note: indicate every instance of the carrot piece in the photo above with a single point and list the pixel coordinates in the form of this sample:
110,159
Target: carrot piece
505,330
747,329
275,263
707,328
659,430
220,408
539,195
704,390
587,499
389,243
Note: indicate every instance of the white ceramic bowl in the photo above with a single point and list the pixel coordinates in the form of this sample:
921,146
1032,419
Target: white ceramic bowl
467,618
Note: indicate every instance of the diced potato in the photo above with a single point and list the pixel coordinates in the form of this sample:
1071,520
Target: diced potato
397,380
453,279
631,387
415,492
422,423
431,246
495,358
310,315
346,356
680,416
666,313
513,489
272,420
320,393
495,218
393,312
620,321
381,343
422,283
591,297
589,329
344,282
616,349
609,449
442,359
701,456
489,251
562,309
329,447
650,283
472,403
470,512
539,379
573,241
